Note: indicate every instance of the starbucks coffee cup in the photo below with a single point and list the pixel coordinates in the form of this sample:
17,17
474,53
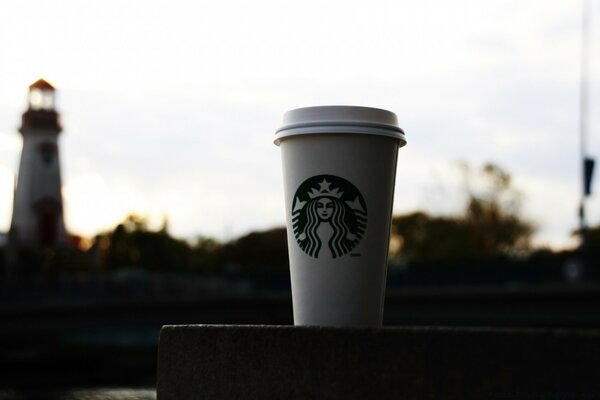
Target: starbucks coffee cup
339,167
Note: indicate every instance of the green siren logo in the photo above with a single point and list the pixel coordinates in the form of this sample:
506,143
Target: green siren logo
328,210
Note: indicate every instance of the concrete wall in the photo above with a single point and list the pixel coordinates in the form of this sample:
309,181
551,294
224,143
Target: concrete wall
284,362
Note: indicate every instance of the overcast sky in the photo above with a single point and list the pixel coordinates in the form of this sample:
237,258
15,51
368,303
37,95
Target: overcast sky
169,107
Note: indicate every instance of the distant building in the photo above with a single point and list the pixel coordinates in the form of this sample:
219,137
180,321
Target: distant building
37,219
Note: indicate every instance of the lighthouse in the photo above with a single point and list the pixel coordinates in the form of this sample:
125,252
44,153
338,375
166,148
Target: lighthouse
37,220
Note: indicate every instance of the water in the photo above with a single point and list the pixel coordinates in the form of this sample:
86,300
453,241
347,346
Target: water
83,394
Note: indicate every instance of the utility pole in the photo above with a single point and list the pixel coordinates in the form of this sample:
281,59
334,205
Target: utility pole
587,163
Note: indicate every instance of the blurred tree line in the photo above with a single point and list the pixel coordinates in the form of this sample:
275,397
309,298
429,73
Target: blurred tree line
486,241
133,244
490,227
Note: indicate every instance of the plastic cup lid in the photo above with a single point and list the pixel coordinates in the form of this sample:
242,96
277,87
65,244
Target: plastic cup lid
340,119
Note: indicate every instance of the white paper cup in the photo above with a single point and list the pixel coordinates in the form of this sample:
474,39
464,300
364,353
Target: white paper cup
339,167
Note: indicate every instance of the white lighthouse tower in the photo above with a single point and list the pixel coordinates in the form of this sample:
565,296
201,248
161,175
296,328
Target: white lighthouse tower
37,220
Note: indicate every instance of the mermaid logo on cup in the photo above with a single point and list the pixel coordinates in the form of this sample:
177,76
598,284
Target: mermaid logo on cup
328,210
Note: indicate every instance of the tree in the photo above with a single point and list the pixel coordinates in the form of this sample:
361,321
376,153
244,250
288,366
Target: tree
260,251
427,238
489,227
492,216
131,243
207,255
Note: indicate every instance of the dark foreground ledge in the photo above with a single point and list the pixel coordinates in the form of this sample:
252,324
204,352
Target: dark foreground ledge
284,362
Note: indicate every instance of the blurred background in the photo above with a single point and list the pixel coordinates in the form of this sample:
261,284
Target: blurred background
162,190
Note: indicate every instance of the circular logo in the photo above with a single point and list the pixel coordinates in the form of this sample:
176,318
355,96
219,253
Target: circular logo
328,210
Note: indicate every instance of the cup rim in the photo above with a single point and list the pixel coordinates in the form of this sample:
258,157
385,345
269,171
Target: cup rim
340,119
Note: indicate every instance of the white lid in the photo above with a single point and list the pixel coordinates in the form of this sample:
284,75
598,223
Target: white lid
340,119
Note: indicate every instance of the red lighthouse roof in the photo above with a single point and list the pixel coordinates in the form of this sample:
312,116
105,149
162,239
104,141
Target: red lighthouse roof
41,84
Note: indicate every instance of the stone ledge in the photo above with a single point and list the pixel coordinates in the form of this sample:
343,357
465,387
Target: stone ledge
284,362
